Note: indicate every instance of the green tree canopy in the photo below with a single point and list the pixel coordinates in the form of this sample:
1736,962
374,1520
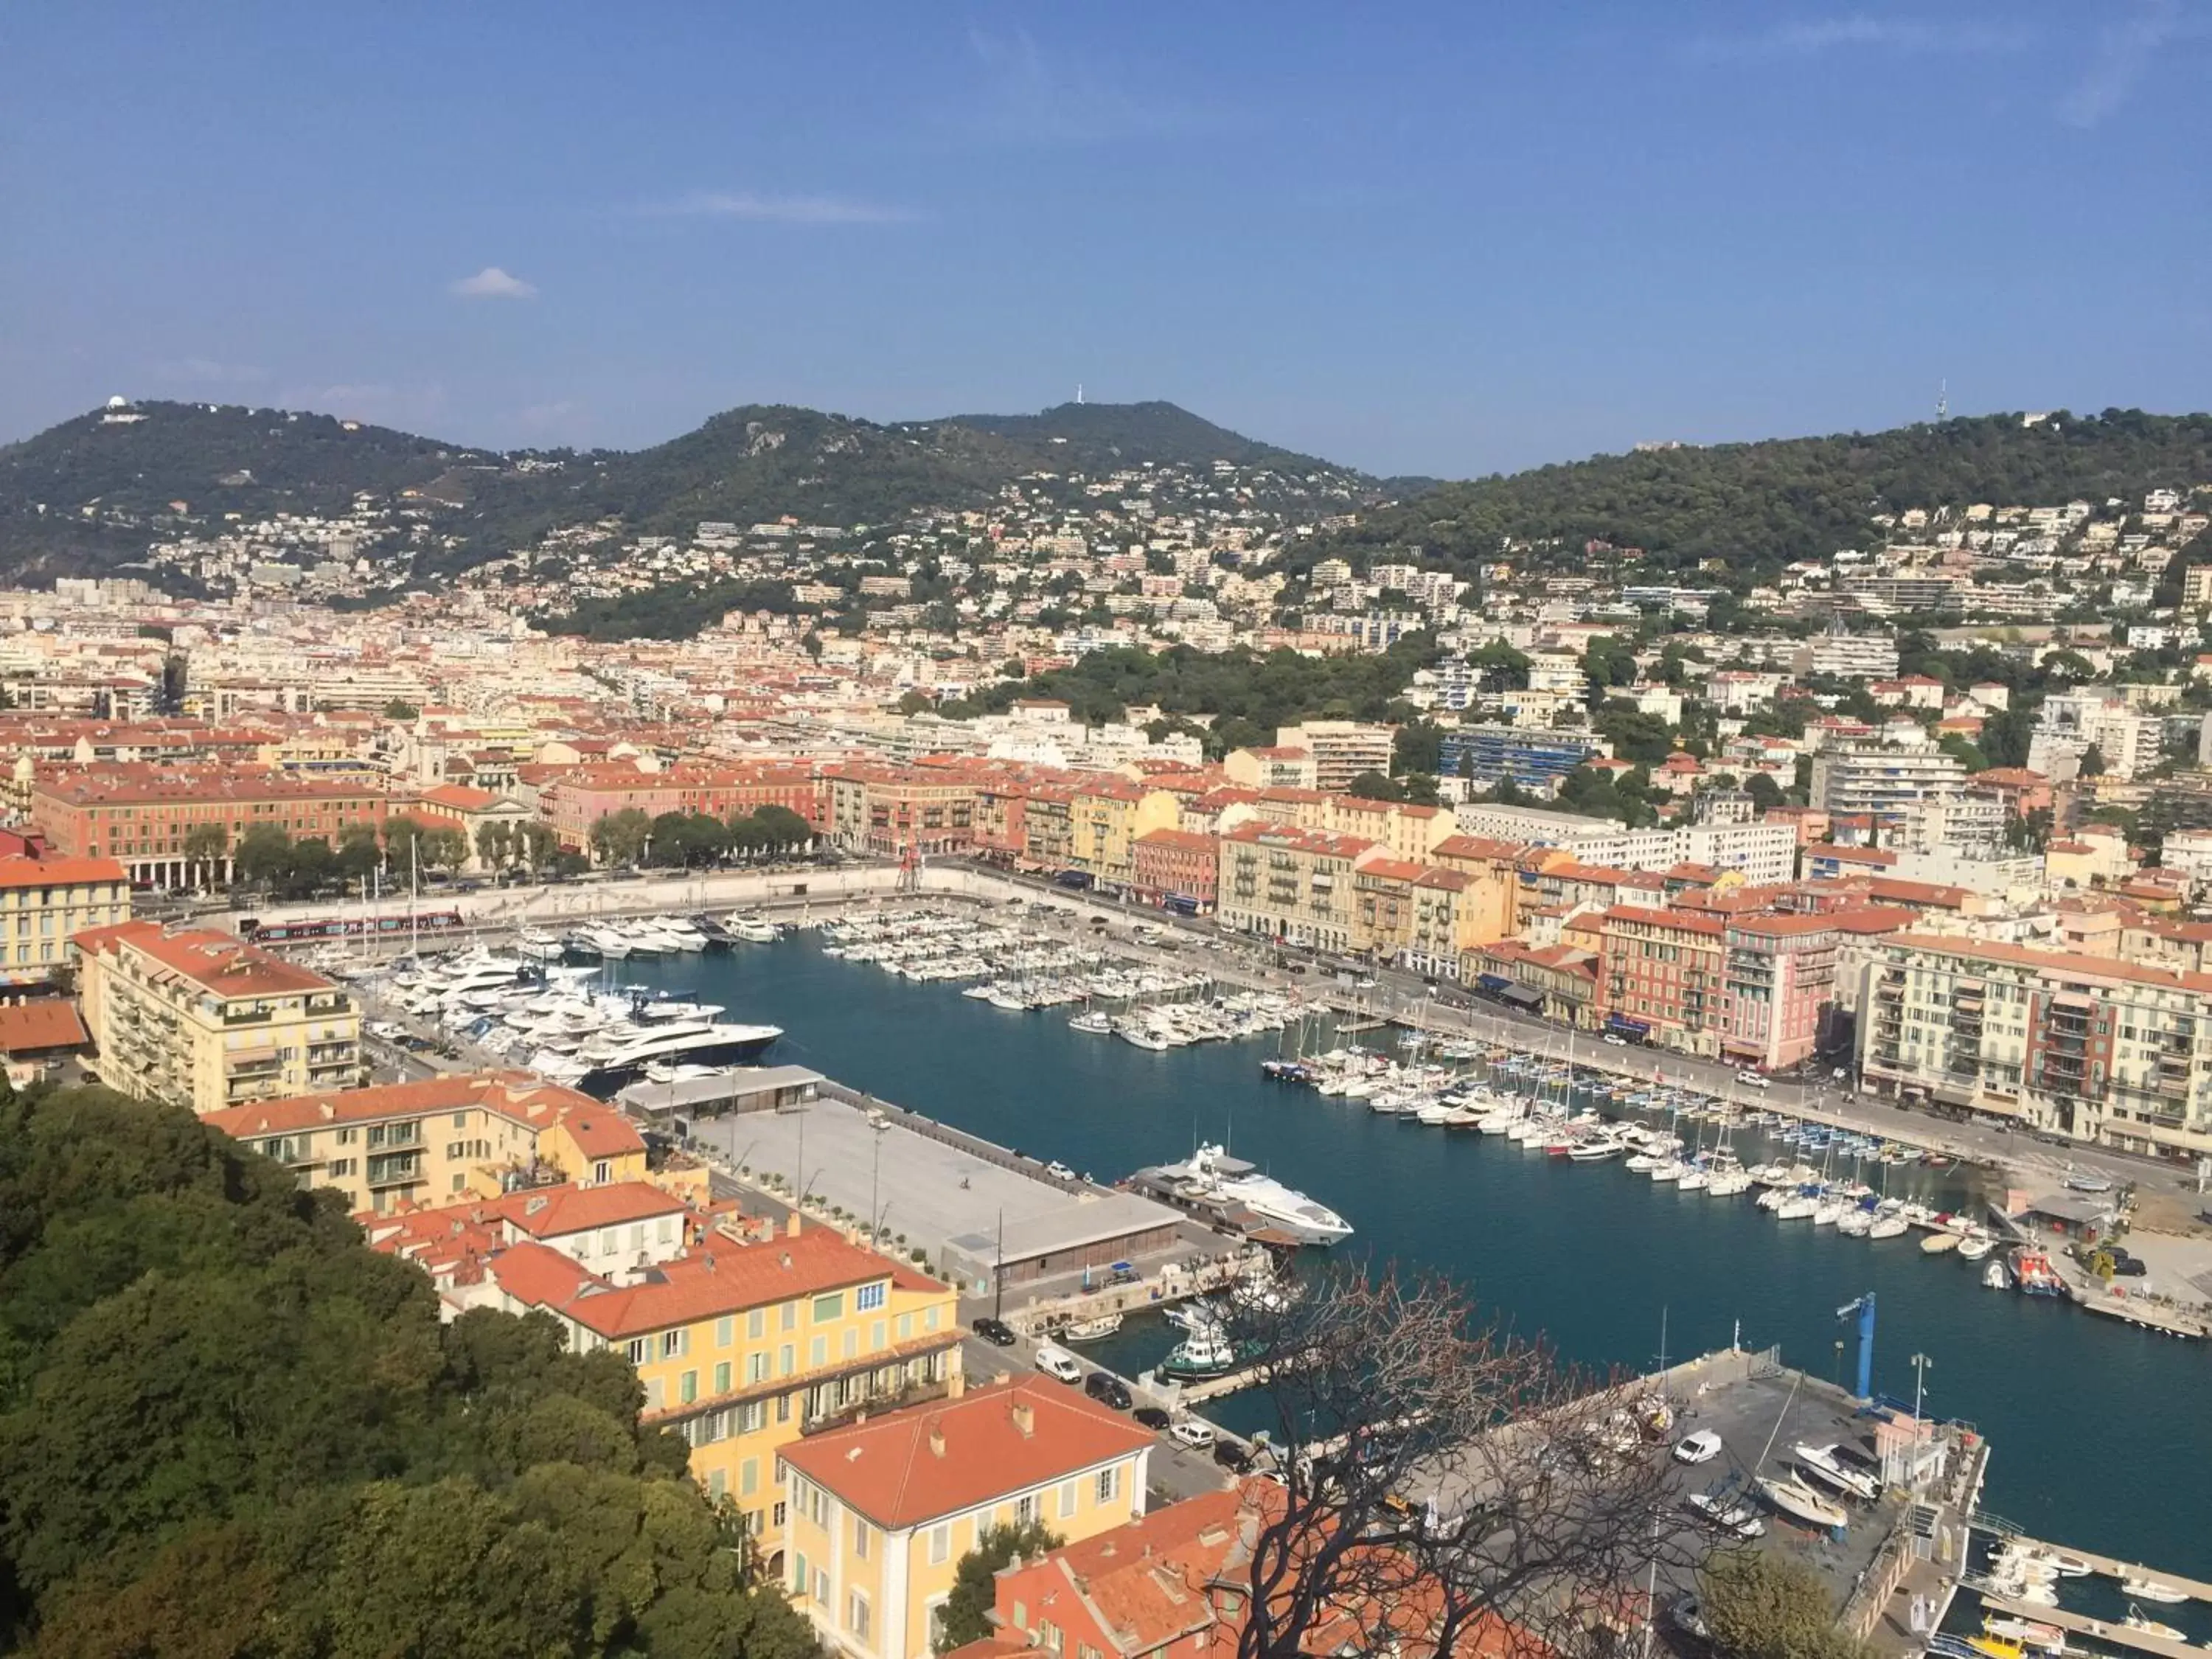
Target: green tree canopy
227,1427
1760,1604
973,1594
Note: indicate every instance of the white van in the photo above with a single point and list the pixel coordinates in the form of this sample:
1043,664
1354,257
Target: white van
1057,1362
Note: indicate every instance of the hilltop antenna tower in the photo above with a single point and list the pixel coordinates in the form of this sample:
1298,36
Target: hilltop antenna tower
1943,400
1079,392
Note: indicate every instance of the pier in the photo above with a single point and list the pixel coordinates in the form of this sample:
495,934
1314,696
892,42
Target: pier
2075,1624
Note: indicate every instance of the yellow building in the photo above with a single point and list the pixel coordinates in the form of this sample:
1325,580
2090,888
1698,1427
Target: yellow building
880,1513
43,901
197,1019
743,1343
1295,885
462,1134
1106,817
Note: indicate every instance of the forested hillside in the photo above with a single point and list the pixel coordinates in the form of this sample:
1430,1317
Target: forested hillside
227,1427
1759,506
1103,437
95,489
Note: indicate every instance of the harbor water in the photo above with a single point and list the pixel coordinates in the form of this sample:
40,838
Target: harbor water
2100,1430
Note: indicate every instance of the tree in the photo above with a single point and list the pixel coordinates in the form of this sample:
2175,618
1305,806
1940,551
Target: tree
1373,786
1761,1604
619,837
1383,1385
205,844
962,1620
274,1447
1765,793
1968,752
535,844
359,853
494,843
400,709
263,857
443,846
2092,762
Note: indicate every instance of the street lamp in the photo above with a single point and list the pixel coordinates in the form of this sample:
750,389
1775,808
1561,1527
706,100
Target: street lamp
875,1161
1921,1366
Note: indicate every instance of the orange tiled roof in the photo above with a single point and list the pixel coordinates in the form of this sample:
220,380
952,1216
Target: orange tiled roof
913,1466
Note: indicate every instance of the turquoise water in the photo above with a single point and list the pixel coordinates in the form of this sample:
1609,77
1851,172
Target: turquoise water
2103,1435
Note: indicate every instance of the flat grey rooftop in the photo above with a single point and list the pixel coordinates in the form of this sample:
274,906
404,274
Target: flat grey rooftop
936,1191
708,1093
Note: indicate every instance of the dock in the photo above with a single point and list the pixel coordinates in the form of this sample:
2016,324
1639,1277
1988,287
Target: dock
2075,1624
2109,1567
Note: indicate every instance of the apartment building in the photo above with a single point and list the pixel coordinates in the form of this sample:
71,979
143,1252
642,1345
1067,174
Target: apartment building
745,1344
1780,981
1294,885
173,826
879,1513
2097,1047
1490,754
1762,853
897,811
572,801
1271,767
1882,779
462,1134
194,1017
1661,976
1342,750
44,901
1177,866
1106,817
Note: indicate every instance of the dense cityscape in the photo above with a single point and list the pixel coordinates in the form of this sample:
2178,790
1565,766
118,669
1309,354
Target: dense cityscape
1482,930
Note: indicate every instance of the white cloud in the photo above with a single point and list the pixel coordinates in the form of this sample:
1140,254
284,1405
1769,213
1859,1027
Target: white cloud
1813,37
786,209
2124,55
493,283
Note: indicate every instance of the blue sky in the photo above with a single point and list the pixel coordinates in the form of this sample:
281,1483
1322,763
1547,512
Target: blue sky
1444,237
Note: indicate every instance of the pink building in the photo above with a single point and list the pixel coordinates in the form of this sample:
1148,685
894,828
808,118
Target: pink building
1780,975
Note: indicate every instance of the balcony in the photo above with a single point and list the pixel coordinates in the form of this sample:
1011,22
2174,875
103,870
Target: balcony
247,1016
397,1170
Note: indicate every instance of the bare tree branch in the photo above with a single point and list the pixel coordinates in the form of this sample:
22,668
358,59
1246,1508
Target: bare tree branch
1445,1487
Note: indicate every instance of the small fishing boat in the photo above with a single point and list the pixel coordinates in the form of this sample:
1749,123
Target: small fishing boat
2142,1625
1996,1276
1974,1246
1722,1510
2139,1586
1097,1329
1938,1244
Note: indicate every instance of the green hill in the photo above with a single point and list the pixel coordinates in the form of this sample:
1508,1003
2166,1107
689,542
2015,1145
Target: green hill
91,491
1104,437
1756,506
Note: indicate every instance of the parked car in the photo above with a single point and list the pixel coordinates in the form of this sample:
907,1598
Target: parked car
1232,1457
1751,1079
1152,1417
996,1331
1194,1432
1107,1389
1614,1040
1059,1171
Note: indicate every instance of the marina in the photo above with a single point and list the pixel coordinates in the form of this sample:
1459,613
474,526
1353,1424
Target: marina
1590,1255
1453,1155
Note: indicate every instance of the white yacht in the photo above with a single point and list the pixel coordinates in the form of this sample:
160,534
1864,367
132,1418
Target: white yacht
754,930
1211,1176
612,1062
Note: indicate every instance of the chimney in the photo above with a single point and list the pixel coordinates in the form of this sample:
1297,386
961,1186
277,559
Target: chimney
1024,1418
791,1227
936,1441
956,1385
